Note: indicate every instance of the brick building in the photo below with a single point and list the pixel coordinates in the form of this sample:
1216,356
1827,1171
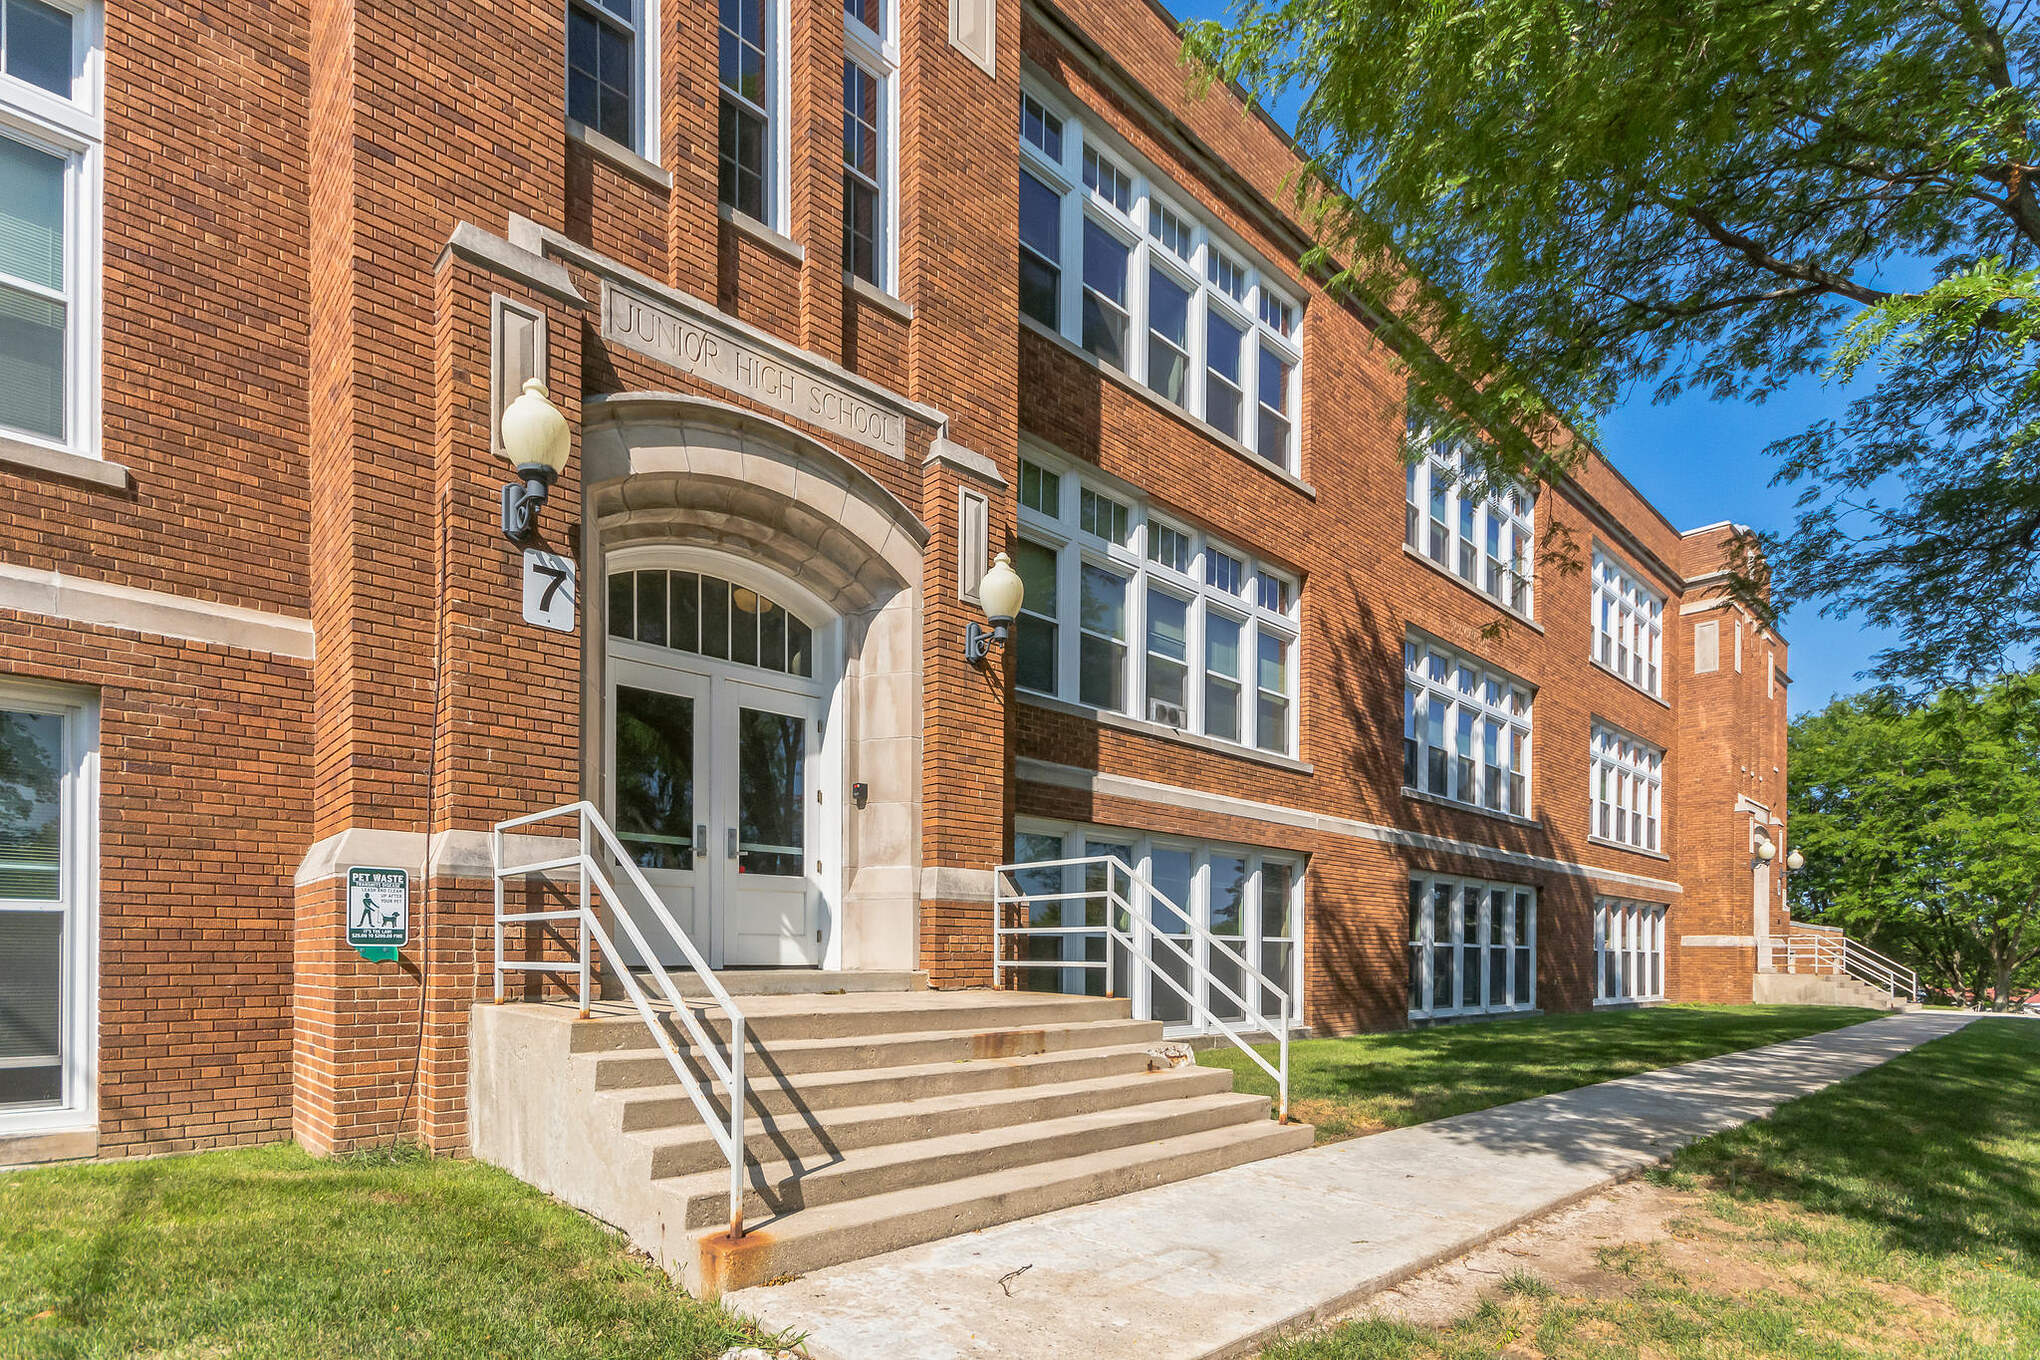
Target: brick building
838,301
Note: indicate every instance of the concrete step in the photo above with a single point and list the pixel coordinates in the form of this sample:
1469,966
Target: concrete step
778,1059
828,1234
683,1149
782,1188
654,1107
616,1025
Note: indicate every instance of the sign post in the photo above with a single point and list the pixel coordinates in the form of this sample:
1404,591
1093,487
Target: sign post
378,912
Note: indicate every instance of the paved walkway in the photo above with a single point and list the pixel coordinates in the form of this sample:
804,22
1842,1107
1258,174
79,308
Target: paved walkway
1214,1267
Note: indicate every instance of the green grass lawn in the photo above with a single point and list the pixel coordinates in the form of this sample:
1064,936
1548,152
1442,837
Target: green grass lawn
1895,1216
270,1252
1384,1081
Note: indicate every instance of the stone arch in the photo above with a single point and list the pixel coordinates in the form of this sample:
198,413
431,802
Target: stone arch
665,469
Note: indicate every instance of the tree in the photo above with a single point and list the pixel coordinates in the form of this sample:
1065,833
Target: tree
1551,201
1920,824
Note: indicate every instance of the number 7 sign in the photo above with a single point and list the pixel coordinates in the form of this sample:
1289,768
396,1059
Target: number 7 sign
548,590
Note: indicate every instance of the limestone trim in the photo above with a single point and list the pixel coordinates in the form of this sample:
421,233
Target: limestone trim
77,467
541,240
55,1145
463,855
101,604
1169,795
943,453
761,233
943,883
1718,941
662,467
485,250
688,480
638,167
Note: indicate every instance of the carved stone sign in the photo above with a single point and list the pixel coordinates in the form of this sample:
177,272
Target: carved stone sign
706,349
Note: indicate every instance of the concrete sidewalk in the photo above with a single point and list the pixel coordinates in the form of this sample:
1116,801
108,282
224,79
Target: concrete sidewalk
1217,1266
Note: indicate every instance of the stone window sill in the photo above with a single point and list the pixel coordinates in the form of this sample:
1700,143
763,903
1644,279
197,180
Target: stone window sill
1176,413
1419,1018
1470,588
1420,796
1124,723
1607,669
762,234
1631,849
20,453
1629,1003
625,159
877,297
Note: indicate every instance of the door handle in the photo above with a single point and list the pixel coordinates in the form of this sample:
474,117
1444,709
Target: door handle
732,840
701,837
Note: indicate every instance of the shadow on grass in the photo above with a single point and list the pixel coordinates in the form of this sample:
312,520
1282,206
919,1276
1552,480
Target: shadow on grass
1938,1151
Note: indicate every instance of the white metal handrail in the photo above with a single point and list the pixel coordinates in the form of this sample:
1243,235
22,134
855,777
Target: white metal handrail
727,1128
1136,907
1837,953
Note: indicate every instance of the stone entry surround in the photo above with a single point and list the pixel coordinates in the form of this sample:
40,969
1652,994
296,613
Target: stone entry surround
670,470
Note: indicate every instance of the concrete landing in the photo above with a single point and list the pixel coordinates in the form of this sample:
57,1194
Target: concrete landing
1217,1266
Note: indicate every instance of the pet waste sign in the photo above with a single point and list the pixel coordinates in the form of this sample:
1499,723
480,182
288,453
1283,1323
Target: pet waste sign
378,912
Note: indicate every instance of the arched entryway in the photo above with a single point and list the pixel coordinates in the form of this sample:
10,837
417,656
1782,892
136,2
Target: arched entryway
760,614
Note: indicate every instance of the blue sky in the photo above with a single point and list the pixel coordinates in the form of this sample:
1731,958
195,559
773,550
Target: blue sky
1701,462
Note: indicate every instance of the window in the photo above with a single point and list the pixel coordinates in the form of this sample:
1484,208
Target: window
747,69
1105,300
711,617
1040,251
1629,950
1627,779
1472,947
45,903
1107,181
1214,633
1250,899
1629,624
1466,730
602,68
1483,535
870,62
50,133
1150,289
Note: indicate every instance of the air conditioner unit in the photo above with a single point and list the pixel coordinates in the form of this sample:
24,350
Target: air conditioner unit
1168,715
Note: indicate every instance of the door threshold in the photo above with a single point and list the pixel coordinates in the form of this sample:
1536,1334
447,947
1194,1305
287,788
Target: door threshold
770,981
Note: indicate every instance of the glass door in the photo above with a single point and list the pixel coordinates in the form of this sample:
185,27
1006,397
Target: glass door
767,739
658,727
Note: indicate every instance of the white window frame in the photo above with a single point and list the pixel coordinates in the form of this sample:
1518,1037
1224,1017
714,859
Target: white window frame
1486,540
1432,683
879,56
1074,547
79,902
1483,945
1629,942
644,29
1143,845
1625,789
1153,193
1629,624
74,129
778,146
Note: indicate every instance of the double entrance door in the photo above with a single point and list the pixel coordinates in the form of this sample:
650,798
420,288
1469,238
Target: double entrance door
712,794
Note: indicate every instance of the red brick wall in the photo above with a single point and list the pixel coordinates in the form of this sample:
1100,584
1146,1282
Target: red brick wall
281,181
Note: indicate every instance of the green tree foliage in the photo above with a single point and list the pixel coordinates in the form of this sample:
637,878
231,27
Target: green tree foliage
1920,824
1719,195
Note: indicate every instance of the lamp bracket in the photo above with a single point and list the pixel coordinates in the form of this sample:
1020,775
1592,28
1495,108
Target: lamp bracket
979,640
